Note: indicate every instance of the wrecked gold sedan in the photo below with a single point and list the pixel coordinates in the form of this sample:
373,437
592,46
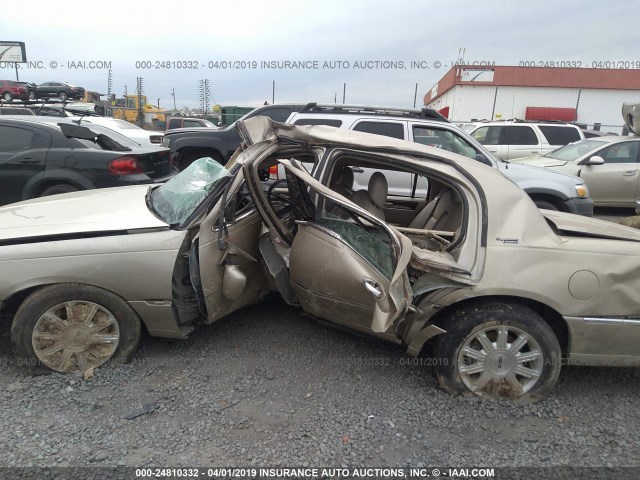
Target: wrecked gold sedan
466,263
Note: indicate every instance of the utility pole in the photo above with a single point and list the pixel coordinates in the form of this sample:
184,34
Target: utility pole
344,92
273,93
139,93
109,84
205,95
173,94
415,96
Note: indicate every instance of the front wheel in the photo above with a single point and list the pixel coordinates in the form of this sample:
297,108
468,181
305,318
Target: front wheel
7,96
62,96
32,95
70,327
498,351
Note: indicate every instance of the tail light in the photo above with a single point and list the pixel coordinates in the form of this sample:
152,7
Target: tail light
125,166
273,172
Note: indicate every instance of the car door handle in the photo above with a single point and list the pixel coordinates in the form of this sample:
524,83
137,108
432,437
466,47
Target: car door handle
492,151
29,160
373,288
357,170
630,173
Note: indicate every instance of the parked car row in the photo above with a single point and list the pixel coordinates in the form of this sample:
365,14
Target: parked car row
548,189
501,292
10,90
42,156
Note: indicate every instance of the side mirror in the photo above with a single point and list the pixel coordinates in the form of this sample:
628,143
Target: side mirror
595,160
482,159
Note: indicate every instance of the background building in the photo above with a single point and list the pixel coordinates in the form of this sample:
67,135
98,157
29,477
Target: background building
587,96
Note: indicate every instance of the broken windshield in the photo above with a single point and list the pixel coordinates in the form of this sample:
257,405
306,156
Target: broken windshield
177,199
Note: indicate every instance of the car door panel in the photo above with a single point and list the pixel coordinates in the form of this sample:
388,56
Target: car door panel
338,262
612,184
315,280
490,137
335,281
23,153
616,182
222,269
519,141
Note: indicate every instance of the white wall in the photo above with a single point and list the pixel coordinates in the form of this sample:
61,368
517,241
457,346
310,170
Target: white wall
605,106
466,102
470,101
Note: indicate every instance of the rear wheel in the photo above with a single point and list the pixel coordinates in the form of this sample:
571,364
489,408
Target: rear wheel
57,189
498,351
7,97
71,327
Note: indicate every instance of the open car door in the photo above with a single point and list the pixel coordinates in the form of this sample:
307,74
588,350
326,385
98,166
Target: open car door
345,265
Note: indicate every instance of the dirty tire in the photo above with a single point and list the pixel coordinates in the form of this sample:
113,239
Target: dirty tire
546,205
187,158
48,298
456,349
57,189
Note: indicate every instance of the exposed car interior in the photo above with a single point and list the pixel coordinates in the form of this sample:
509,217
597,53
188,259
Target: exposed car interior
438,207
431,217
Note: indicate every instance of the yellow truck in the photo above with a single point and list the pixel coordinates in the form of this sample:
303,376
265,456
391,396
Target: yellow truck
141,113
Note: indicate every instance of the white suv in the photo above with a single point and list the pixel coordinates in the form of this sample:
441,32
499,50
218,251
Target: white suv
426,126
517,139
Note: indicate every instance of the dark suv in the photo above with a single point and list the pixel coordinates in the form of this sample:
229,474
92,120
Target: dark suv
189,144
10,90
46,155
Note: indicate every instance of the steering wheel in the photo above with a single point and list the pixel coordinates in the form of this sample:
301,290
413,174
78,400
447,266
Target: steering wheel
272,196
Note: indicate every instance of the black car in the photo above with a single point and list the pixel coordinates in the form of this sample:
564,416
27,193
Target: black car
189,144
62,90
46,155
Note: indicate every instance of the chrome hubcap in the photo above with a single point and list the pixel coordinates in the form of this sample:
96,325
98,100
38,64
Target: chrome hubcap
500,361
75,335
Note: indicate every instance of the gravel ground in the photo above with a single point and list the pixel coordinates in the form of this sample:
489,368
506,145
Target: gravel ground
268,386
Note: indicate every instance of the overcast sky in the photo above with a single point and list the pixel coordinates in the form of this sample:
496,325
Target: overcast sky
236,31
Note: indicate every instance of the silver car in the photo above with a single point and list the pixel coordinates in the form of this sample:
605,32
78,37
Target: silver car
502,296
609,165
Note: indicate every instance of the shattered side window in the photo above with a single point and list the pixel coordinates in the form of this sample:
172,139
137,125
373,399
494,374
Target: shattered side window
177,199
370,243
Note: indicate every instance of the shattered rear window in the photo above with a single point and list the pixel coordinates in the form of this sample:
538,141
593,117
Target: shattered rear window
367,243
177,199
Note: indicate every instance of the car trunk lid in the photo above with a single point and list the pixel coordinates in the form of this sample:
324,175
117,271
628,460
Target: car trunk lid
578,225
156,163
